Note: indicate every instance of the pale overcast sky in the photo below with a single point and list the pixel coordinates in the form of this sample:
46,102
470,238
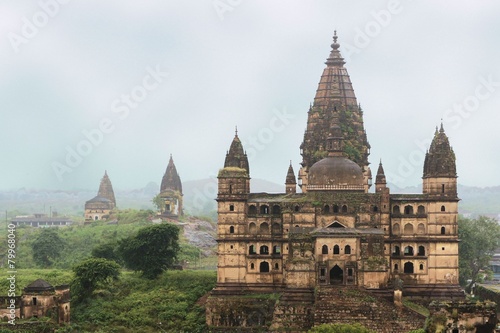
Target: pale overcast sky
146,79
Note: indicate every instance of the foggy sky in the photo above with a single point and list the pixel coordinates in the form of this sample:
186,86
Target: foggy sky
124,84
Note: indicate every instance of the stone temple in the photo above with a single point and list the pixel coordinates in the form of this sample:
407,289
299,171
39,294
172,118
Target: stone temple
100,207
294,260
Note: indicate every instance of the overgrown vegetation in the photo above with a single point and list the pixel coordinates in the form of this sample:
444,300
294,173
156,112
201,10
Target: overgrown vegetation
152,250
479,239
135,304
340,328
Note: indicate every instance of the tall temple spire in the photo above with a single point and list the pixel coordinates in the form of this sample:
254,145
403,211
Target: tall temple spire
335,104
290,182
440,159
236,156
106,189
171,179
380,178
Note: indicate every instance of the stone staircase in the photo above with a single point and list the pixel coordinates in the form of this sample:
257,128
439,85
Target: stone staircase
348,304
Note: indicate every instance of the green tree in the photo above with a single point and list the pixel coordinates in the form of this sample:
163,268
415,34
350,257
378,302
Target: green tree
153,250
107,251
340,328
479,238
91,274
159,203
47,247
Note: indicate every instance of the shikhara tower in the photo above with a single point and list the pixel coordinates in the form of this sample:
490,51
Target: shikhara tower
100,207
335,104
171,192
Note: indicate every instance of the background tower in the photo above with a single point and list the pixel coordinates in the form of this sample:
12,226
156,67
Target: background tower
171,191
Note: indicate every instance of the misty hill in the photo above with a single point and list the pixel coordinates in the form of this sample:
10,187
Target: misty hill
199,198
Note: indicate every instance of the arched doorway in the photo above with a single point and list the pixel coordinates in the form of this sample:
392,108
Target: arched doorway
336,275
408,268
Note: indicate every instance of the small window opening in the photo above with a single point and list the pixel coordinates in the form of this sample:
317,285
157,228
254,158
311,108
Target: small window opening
336,249
231,208
443,230
324,249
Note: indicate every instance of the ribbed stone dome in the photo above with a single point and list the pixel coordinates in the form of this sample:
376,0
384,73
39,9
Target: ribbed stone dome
335,173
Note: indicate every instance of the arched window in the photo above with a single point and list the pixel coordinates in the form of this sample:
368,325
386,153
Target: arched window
347,249
443,230
276,210
264,228
231,230
324,249
297,208
335,208
276,266
443,208
251,249
421,250
421,209
421,228
344,209
264,209
230,188
231,208
349,272
408,251
395,210
252,228
442,188
297,226
408,269
264,249
395,229
336,249
252,210
397,251
252,266
408,210
326,209
264,267
276,228
396,267
375,209
408,229
421,267
276,249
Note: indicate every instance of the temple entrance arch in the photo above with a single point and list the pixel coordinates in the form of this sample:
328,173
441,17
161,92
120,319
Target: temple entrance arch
336,275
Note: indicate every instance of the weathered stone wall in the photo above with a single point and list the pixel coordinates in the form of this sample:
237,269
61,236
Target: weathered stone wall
245,313
485,293
354,305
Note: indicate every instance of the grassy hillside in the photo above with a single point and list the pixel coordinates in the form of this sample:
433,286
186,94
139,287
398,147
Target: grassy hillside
81,239
134,304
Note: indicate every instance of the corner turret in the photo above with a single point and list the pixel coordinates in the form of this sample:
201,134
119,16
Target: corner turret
234,178
440,172
290,182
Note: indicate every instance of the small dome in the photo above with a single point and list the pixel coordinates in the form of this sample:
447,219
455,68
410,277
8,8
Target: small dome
335,173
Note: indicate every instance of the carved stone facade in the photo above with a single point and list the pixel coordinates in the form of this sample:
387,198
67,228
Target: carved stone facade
100,207
337,234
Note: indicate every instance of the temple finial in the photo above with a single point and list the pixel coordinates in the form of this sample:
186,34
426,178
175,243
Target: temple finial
335,36
236,130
